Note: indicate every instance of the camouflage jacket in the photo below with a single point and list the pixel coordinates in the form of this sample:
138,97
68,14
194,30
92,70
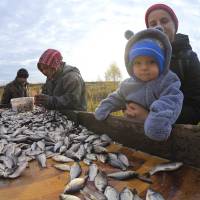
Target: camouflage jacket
66,90
14,89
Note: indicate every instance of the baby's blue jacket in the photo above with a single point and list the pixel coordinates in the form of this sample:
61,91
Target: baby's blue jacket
162,97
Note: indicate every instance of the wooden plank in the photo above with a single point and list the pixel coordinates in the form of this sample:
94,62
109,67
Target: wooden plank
39,184
183,144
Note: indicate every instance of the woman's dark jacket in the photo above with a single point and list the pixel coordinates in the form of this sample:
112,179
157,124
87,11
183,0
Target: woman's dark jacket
66,90
185,64
14,89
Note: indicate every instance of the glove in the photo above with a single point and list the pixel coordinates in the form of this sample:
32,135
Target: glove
41,99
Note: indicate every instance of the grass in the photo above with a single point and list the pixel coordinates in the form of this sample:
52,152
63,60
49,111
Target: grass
95,92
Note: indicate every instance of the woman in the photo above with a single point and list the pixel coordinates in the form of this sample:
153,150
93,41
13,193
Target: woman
64,88
184,63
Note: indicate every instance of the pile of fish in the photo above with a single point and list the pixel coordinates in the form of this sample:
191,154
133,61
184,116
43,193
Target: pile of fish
41,134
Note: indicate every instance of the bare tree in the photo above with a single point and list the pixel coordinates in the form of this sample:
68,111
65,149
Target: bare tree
113,73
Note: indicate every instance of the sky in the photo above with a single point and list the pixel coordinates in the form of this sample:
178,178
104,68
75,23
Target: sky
89,34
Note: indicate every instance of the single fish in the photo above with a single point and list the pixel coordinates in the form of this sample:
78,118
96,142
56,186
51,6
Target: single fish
93,170
111,193
68,197
75,171
101,181
126,194
61,158
75,185
123,159
152,195
19,170
123,175
93,194
62,167
165,167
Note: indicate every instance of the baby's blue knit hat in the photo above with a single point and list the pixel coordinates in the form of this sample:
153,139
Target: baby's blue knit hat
149,42
147,47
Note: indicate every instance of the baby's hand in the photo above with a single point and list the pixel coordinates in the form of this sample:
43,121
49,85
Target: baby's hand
136,111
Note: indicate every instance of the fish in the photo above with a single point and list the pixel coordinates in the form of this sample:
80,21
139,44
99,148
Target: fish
101,181
123,159
19,170
93,194
68,197
61,158
93,170
111,193
153,195
42,159
75,170
115,162
62,167
123,175
106,138
75,185
126,194
165,167
87,161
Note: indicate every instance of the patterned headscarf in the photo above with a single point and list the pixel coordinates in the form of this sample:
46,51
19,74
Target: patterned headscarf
51,58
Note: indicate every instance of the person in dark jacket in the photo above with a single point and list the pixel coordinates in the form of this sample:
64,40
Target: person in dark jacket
151,84
184,63
64,87
16,88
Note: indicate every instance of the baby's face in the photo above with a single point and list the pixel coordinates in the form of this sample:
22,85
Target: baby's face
145,68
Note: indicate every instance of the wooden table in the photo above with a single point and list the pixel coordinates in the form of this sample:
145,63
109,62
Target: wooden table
47,183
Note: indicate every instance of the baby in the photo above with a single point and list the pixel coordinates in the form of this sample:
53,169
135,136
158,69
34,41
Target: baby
151,84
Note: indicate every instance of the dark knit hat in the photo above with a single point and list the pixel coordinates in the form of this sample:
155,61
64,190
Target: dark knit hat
142,39
22,73
165,8
149,48
51,58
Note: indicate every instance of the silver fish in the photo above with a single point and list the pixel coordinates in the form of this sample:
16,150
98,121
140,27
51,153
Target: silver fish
87,161
42,159
68,197
102,157
93,170
123,175
111,193
75,171
99,149
19,170
126,194
61,158
93,194
81,152
62,167
165,167
123,159
75,185
106,138
152,195
101,181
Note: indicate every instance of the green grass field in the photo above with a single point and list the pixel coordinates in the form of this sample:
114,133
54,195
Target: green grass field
95,92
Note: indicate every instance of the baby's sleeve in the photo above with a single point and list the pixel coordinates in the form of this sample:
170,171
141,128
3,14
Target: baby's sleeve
164,111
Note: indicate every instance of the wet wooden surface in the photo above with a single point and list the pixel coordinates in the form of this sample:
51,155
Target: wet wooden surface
47,183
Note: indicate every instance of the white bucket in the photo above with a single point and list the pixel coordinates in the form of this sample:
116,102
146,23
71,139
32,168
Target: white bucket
22,104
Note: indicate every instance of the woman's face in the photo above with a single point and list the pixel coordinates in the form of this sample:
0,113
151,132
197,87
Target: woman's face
163,19
47,71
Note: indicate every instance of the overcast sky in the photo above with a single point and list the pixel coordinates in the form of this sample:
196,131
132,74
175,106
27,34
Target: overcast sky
89,33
